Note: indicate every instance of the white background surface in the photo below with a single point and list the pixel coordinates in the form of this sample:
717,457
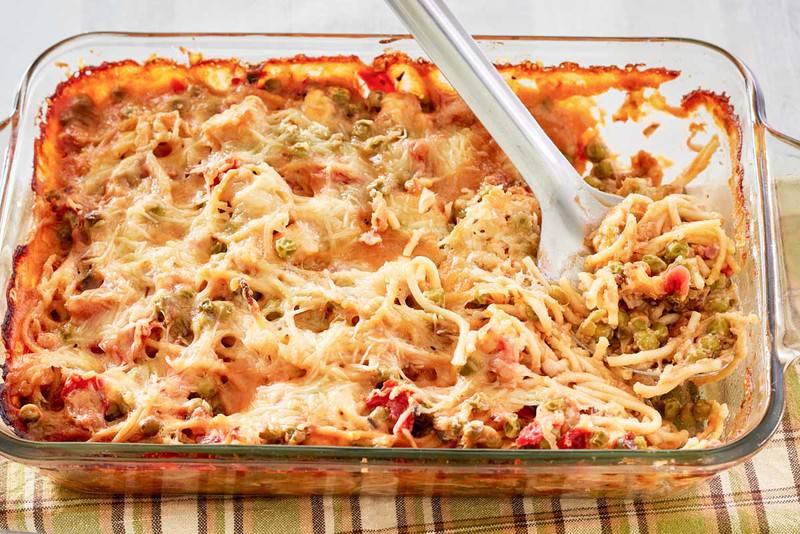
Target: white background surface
763,33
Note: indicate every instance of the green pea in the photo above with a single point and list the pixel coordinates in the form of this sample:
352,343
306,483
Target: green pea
615,267
646,340
671,408
216,308
685,420
340,95
640,442
149,426
478,402
206,387
511,427
701,410
30,413
361,129
218,247
662,332
639,322
272,85
524,222
709,342
67,331
596,150
378,416
603,169
544,444
602,330
676,249
555,405
115,410
598,440
436,295
623,318
656,264
271,436
720,283
717,305
285,247
695,354
207,307
718,325
466,370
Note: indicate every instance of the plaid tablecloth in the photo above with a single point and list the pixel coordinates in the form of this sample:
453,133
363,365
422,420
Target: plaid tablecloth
763,495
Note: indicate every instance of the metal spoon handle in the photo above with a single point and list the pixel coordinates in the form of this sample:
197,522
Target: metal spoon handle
558,187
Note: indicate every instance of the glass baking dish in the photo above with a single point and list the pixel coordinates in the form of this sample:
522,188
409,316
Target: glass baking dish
768,186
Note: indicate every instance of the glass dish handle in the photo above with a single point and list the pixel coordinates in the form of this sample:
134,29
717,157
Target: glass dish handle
783,169
6,130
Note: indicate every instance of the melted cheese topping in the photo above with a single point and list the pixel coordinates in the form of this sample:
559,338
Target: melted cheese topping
260,267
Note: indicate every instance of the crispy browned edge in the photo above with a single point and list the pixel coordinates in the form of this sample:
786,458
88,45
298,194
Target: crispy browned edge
161,76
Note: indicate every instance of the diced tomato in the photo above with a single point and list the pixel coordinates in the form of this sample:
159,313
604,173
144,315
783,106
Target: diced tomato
377,81
527,412
574,438
77,383
727,270
396,404
177,86
530,436
676,281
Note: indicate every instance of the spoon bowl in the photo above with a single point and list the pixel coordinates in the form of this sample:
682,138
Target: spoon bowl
570,207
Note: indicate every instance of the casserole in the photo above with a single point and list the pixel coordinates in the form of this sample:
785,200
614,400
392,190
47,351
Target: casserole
321,469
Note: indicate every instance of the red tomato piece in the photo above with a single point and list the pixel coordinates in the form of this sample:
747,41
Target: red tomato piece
396,404
77,383
676,281
177,86
377,81
574,438
527,412
530,436
727,270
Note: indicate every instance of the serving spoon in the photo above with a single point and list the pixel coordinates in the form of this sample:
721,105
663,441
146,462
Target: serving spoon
569,205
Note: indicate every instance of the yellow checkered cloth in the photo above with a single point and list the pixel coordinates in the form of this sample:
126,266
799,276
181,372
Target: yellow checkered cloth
762,495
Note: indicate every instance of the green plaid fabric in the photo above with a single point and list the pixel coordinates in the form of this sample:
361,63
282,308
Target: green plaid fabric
762,495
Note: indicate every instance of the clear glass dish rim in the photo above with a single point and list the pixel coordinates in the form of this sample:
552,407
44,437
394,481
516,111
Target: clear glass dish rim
21,449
